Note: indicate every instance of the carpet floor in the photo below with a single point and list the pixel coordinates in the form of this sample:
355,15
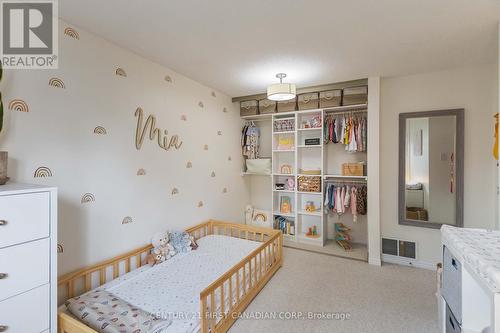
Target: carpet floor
390,298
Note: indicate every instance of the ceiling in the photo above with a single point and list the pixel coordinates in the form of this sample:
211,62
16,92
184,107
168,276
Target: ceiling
237,46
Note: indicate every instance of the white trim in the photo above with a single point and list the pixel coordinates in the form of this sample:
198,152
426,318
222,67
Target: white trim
375,261
387,258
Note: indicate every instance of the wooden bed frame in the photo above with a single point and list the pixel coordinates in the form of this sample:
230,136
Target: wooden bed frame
266,260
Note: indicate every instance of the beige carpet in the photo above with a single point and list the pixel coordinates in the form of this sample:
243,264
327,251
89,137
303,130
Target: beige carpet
385,299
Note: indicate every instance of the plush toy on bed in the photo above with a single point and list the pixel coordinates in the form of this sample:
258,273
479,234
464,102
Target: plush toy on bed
162,249
182,241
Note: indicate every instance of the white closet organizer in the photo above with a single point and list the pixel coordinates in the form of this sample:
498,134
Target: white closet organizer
327,159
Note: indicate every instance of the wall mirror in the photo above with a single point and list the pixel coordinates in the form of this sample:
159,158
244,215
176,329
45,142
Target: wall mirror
431,162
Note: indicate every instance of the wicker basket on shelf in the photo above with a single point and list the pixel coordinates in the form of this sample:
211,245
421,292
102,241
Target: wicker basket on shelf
309,183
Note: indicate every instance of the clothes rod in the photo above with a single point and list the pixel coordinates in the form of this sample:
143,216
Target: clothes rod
345,181
345,112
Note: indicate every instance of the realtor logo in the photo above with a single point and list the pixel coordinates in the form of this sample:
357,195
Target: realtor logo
29,34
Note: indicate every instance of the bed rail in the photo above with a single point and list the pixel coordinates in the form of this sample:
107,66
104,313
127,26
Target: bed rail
237,287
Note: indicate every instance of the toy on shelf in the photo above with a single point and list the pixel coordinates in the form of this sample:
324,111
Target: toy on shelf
290,184
342,236
310,207
286,143
285,205
286,169
312,232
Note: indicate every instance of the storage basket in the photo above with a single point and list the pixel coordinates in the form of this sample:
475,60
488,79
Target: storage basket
309,183
308,101
287,106
267,106
330,98
249,108
353,169
355,95
284,125
416,213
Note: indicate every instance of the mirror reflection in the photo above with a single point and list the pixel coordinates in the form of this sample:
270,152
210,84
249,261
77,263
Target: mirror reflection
430,179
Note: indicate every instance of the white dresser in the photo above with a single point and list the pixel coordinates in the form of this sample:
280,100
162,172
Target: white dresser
28,259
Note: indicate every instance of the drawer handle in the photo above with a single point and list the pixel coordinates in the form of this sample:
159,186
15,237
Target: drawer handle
3,222
3,328
3,276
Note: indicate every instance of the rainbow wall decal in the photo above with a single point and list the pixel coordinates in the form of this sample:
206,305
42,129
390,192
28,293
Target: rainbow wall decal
42,172
56,83
205,147
212,174
200,204
184,117
120,72
100,130
200,104
168,79
219,132
189,165
70,32
60,248
127,220
224,190
18,105
224,110
175,191
141,172
260,217
87,198
229,158
214,94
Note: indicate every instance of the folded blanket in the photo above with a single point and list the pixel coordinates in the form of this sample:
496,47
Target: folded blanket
107,313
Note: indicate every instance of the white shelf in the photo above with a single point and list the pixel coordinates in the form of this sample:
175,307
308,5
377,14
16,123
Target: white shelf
303,212
285,191
309,146
310,129
305,238
284,174
312,193
255,174
347,107
258,117
284,132
283,214
332,109
283,150
309,174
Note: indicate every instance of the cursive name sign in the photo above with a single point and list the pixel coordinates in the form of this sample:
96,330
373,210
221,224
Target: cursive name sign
155,134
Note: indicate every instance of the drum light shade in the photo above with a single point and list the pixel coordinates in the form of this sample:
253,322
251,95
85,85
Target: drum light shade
281,91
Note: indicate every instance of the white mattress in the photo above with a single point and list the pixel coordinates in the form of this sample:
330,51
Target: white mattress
172,289
478,248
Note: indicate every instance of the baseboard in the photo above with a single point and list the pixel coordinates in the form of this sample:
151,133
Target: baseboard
375,261
408,262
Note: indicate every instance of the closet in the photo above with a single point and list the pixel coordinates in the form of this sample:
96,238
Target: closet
314,151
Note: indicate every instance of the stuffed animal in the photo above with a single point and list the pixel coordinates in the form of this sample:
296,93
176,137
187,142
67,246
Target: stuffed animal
182,241
162,249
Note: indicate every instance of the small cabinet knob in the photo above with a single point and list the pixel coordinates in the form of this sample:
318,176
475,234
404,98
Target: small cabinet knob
2,222
3,328
3,276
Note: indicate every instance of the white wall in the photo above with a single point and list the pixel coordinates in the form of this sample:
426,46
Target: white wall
57,132
475,90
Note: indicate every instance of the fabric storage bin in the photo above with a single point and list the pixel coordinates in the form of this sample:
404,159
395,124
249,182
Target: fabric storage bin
309,183
284,125
353,169
452,284
355,95
416,213
267,106
259,166
330,98
249,108
287,106
308,101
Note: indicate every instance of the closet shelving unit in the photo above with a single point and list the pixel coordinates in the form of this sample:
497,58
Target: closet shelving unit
328,159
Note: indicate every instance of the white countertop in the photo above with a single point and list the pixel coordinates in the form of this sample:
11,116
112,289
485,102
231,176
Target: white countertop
478,249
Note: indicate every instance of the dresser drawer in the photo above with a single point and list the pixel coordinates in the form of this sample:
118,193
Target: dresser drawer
26,313
24,217
26,266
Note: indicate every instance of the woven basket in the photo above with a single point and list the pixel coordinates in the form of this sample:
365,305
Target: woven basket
309,183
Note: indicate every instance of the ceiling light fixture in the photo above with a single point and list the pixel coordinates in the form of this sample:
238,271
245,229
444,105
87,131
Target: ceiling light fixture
281,91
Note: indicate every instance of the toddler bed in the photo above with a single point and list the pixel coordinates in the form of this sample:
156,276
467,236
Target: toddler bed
200,291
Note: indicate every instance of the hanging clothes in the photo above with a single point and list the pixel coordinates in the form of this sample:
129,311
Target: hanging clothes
250,137
349,130
340,199
362,200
